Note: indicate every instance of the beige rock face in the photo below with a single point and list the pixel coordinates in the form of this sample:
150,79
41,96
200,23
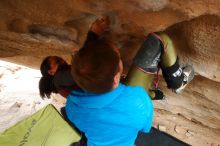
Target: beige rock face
198,42
192,116
29,31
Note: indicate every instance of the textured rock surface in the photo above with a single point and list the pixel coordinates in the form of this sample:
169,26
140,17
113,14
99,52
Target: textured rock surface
198,42
194,115
32,30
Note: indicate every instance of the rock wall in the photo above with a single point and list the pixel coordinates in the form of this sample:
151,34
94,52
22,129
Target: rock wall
198,42
192,116
32,30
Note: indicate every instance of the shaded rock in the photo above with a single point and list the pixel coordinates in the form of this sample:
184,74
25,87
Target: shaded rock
19,25
15,44
62,33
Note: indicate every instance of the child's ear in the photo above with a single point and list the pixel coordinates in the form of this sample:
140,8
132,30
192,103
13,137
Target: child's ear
117,79
50,72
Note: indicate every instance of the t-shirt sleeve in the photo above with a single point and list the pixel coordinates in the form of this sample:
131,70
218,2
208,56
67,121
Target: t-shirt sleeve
149,110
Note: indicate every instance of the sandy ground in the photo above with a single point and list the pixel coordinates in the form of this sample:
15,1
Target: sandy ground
19,95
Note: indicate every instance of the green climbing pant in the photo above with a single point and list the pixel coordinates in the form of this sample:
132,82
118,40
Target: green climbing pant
157,49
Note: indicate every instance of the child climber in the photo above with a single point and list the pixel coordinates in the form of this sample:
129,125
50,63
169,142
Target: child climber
157,52
56,76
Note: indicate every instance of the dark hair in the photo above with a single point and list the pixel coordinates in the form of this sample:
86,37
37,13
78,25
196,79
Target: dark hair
95,65
46,84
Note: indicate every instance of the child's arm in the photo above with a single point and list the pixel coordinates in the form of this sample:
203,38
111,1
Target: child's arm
97,29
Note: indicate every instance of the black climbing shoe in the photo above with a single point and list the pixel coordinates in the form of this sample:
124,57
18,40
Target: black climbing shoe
158,95
188,73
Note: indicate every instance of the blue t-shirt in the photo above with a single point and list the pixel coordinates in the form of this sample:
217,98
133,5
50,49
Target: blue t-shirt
113,118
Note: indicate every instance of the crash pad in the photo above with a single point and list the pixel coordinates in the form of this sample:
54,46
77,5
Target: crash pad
44,128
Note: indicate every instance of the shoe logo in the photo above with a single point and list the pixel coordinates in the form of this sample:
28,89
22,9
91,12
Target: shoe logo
178,72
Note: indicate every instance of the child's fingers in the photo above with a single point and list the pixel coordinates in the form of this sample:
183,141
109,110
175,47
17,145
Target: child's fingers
106,20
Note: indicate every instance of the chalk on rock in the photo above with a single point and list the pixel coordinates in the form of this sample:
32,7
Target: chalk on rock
189,133
179,130
162,128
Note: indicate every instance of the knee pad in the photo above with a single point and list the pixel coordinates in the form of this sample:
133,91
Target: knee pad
149,54
173,75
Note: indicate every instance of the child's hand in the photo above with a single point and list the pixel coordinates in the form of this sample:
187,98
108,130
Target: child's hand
100,25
